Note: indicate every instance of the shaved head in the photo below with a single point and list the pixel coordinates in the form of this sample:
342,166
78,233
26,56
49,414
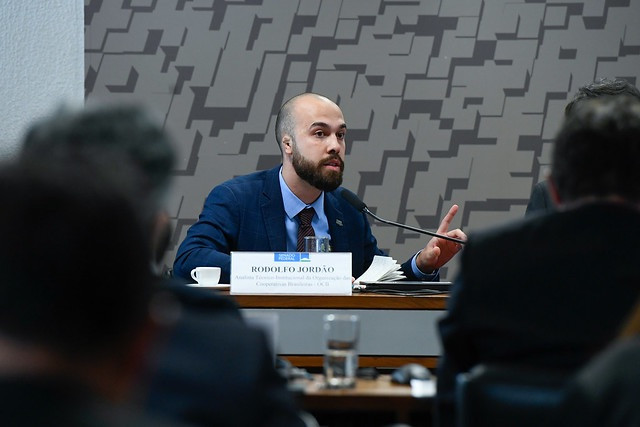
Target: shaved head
286,121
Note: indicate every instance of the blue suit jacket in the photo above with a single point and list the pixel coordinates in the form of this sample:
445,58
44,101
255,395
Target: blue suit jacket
247,214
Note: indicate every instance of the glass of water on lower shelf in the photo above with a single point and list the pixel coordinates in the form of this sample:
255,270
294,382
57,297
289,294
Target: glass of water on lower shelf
341,333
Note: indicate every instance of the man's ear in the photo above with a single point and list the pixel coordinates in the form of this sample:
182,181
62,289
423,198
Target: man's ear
286,144
553,190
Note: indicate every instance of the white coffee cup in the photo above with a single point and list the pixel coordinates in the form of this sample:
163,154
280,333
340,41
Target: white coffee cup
206,275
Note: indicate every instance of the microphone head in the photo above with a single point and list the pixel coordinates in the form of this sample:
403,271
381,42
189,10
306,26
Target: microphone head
353,200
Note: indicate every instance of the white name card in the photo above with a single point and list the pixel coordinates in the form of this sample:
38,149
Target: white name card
313,273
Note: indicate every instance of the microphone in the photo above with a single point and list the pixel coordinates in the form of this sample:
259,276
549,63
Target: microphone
360,206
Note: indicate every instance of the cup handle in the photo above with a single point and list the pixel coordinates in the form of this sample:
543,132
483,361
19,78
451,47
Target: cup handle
194,274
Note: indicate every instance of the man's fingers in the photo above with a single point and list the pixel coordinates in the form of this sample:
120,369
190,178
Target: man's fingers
446,221
457,233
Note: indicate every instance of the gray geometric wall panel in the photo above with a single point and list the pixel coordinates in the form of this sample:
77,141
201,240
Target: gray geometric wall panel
452,101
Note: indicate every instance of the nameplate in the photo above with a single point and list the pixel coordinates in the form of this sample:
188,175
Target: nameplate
313,273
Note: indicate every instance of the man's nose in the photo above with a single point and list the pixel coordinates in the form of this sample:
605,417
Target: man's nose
334,145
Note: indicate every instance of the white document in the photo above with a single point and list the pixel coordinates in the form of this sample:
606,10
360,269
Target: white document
382,269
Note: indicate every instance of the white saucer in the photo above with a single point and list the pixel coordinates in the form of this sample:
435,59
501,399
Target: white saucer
218,286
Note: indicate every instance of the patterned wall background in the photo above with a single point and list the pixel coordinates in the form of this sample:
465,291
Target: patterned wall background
450,101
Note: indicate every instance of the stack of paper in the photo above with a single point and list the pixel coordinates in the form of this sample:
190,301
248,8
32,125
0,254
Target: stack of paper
383,268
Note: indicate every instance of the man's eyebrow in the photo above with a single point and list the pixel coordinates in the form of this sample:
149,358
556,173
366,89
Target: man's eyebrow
325,125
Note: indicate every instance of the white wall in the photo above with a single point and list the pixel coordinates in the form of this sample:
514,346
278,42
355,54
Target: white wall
41,62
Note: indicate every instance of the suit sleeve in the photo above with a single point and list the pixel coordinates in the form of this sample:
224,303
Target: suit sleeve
407,269
458,353
277,405
362,244
370,243
210,240
211,369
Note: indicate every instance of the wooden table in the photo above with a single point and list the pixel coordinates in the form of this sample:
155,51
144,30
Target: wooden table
355,301
394,329
364,404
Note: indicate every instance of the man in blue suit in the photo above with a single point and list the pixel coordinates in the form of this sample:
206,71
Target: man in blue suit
259,212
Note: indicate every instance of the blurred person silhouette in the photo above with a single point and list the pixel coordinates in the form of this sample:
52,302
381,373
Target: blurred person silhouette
73,330
567,280
540,199
209,367
124,136
605,392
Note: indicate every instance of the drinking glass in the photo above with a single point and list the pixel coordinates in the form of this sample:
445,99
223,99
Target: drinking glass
341,333
317,244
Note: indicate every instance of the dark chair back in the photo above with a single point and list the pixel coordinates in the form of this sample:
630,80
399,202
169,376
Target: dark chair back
497,396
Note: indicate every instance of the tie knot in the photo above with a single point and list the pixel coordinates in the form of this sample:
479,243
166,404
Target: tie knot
305,216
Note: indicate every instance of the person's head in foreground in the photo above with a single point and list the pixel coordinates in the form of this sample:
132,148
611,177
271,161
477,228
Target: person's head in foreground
597,152
75,281
602,88
124,136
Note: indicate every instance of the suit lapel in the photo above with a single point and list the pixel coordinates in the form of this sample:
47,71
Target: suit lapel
273,212
337,229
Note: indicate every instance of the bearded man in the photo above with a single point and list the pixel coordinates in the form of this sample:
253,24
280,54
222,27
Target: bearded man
266,210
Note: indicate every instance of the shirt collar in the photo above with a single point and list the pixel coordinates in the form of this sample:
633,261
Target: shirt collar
292,204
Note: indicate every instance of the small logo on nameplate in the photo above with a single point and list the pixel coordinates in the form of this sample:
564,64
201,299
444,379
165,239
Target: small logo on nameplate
291,257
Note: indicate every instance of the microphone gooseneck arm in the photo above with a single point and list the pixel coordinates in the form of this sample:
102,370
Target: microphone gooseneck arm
360,206
408,227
